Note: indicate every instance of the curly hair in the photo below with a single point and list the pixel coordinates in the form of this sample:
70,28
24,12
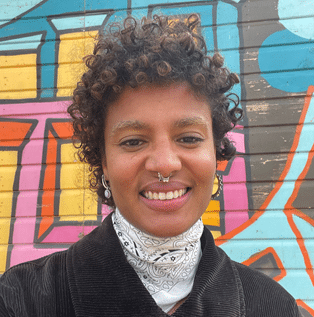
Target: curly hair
157,52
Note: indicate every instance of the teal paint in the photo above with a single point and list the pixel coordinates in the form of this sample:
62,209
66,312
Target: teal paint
79,22
22,43
297,16
274,61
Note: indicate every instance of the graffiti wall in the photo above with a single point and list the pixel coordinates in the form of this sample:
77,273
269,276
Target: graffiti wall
265,214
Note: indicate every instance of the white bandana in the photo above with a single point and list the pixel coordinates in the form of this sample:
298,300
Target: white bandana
166,266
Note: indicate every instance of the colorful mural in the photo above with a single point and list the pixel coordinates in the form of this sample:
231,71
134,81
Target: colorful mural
264,217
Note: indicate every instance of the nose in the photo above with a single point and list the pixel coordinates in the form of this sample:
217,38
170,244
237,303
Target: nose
163,158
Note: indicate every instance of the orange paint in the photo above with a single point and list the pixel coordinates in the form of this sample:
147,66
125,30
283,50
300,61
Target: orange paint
233,233
48,196
221,165
63,129
271,250
12,133
304,306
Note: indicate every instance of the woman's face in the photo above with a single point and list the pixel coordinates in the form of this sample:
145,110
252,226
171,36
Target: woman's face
166,130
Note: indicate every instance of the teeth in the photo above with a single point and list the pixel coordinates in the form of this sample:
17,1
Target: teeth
162,196
169,195
165,196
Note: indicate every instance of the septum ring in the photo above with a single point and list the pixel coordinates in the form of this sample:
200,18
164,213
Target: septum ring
164,179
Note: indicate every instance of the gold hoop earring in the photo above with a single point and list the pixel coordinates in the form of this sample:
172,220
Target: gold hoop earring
217,184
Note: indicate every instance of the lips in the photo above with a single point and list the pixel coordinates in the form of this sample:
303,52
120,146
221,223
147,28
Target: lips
165,197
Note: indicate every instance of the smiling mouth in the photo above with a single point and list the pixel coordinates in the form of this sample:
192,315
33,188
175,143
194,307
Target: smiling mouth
165,195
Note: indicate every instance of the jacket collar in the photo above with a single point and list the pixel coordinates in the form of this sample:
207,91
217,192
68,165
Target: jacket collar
102,283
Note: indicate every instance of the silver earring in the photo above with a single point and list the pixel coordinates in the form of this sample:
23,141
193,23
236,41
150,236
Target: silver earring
216,194
164,179
106,186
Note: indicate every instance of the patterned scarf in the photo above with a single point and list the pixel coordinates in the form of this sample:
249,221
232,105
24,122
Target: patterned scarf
166,266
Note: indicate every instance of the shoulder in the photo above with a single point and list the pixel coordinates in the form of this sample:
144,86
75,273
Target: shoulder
46,265
34,283
263,296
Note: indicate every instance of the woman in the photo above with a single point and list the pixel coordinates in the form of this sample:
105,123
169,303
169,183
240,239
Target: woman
151,116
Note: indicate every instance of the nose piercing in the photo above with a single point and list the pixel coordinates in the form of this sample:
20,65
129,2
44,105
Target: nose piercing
164,179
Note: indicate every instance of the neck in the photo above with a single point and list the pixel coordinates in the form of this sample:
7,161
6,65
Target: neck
166,266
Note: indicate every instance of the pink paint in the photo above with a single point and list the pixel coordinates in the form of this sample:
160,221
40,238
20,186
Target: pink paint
26,252
235,195
64,234
237,171
23,231
234,219
33,108
238,139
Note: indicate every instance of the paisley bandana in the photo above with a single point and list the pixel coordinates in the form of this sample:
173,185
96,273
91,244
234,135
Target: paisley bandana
166,266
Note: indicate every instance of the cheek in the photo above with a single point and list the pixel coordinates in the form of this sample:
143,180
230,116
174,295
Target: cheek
121,172
205,169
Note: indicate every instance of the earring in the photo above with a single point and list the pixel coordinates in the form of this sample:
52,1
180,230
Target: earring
219,185
107,187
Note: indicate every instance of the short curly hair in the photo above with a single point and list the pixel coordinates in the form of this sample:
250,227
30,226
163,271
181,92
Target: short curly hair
158,51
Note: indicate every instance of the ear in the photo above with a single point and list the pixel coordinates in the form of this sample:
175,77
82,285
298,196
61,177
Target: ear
105,171
103,163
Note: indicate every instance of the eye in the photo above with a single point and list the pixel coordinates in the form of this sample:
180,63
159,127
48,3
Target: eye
190,140
132,144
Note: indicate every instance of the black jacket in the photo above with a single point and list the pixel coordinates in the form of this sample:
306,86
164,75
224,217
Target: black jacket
93,278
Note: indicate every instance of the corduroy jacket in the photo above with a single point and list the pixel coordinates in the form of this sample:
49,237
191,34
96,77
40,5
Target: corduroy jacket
93,278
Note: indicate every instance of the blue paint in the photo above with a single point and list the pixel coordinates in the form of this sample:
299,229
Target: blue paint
145,3
78,22
280,58
36,21
276,232
297,17
106,4
228,38
23,43
9,10
226,14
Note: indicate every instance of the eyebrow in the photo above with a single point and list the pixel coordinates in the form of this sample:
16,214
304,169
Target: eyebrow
131,124
138,125
186,122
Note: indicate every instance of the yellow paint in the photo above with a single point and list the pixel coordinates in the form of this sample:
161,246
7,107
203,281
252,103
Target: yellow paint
90,202
4,230
8,159
216,234
6,200
90,218
211,215
72,171
4,240
3,257
75,198
73,220
18,76
7,176
73,47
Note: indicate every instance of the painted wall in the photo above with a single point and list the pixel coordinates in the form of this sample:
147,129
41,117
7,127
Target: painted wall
265,215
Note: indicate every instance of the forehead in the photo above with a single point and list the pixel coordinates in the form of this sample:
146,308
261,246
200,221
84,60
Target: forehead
158,104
